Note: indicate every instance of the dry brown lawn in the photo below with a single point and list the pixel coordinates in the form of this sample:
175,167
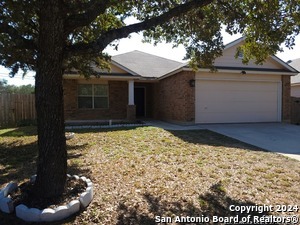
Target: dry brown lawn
141,173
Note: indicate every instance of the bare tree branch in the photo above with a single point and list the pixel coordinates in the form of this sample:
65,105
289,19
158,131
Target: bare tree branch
123,32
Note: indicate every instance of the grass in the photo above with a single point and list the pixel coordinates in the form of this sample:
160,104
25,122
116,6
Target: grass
140,173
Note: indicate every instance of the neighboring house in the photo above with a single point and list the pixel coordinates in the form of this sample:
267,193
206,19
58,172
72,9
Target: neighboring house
295,92
142,85
295,80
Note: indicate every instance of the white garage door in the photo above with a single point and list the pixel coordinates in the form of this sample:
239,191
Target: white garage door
234,101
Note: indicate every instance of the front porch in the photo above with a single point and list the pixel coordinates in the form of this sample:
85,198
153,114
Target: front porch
103,100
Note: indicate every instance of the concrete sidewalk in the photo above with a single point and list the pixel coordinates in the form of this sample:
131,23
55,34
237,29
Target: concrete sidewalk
172,126
276,137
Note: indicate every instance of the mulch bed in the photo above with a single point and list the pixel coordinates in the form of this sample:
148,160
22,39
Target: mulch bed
25,195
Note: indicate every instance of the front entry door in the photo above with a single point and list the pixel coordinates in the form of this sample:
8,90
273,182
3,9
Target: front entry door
139,101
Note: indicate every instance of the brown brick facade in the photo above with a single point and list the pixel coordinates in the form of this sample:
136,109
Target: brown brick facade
174,98
131,112
118,100
171,99
286,98
70,98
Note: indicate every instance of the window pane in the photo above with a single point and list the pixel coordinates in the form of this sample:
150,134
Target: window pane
240,54
101,89
85,89
101,102
85,102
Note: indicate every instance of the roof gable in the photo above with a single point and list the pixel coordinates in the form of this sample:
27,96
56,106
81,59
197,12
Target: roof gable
144,64
228,59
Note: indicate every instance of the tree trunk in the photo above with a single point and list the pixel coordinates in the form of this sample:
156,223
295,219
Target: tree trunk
52,158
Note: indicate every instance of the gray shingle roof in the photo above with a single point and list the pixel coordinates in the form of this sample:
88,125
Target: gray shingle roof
145,65
296,64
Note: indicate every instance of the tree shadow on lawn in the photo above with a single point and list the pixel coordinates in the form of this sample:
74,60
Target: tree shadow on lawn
213,204
19,131
101,130
19,163
211,138
32,130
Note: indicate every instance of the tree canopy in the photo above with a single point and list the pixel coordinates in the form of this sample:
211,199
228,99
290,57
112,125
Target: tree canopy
91,25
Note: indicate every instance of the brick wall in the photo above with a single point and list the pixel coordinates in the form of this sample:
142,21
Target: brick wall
118,100
286,98
70,98
174,99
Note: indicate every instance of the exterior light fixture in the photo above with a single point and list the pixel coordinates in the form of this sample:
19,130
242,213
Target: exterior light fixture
192,82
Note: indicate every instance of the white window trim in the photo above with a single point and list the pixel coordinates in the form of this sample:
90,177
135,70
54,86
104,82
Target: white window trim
93,96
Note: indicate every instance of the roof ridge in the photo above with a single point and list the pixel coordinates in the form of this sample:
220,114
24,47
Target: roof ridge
295,63
146,53
234,42
293,60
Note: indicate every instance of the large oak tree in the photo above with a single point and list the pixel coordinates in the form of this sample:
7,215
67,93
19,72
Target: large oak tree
51,36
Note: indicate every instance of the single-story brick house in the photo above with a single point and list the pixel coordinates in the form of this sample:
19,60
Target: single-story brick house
142,85
295,80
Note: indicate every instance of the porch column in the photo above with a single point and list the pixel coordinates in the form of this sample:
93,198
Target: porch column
131,114
130,92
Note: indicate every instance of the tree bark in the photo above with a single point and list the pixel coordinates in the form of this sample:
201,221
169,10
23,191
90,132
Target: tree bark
52,158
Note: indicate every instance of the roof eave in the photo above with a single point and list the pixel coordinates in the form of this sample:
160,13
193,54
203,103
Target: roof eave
295,84
103,76
284,64
249,71
124,68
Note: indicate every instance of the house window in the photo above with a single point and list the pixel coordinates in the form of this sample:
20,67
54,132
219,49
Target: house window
93,96
240,54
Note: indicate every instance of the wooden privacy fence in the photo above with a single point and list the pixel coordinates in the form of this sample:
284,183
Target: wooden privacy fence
15,108
295,110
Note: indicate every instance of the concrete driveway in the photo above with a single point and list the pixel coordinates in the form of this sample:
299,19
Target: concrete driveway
276,137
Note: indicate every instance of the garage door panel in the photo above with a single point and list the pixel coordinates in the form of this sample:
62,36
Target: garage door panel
242,98
219,101
227,85
237,96
239,107
231,118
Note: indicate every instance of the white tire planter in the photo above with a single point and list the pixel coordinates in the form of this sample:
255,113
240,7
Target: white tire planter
69,135
6,203
46,215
